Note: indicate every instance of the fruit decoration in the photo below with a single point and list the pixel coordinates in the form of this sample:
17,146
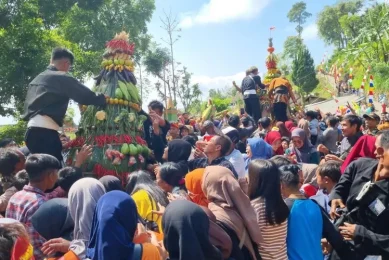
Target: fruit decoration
271,64
115,131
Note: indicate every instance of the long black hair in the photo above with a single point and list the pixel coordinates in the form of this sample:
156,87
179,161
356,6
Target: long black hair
141,180
264,182
171,173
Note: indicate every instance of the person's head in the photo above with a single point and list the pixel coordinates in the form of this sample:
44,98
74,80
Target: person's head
192,139
184,131
185,115
217,147
371,120
245,122
7,143
274,139
193,182
156,106
248,72
67,177
382,152
285,143
208,127
43,169
11,161
290,180
174,131
264,123
311,115
254,70
298,138
351,124
169,176
82,200
186,229
234,121
141,180
114,226
233,134
177,150
257,148
53,220
20,180
332,121
14,241
62,59
280,160
264,182
111,183
328,175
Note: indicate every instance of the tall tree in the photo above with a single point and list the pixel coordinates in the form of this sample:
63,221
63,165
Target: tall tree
298,14
170,24
29,30
292,46
187,92
303,71
330,21
156,62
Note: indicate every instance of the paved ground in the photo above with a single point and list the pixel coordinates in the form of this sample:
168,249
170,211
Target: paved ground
331,105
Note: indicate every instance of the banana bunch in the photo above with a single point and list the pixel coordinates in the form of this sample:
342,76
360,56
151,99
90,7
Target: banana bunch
209,112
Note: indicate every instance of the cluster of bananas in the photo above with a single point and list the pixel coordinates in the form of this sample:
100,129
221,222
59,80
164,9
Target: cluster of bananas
119,62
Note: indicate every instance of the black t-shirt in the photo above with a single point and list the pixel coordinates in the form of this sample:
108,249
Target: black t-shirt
251,83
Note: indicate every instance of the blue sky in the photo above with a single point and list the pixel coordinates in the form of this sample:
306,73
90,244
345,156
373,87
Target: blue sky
220,39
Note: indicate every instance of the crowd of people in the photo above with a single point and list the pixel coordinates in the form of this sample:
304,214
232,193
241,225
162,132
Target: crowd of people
307,187
237,189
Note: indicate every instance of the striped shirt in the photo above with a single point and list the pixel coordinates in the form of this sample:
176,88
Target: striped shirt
274,236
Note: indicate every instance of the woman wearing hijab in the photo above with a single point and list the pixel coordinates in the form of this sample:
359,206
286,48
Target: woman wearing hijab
290,126
304,151
257,148
178,151
233,211
193,182
304,124
54,227
147,196
111,183
273,138
83,197
186,229
282,129
364,147
113,229
217,235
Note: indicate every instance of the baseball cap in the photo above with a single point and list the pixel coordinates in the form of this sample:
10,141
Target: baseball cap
232,133
372,115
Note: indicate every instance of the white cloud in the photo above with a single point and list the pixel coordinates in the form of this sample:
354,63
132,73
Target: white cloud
219,11
310,32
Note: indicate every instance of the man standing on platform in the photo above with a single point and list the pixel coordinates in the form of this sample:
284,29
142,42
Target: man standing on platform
249,91
47,100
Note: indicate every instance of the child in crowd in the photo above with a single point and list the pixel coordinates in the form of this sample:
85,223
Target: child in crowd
327,176
285,141
42,172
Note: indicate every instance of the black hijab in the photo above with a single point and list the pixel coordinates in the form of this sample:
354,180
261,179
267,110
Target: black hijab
186,229
179,152
53,220
111,183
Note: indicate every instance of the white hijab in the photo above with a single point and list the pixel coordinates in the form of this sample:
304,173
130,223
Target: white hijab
83,197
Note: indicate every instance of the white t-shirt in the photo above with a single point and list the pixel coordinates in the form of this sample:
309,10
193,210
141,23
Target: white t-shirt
236,159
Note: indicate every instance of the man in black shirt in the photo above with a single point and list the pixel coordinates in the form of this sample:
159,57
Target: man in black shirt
366,218
47,100
155,129
249,90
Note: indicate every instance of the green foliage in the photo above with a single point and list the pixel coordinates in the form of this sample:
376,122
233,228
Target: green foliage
30,29
16,132
292,45
156,61
221,100
304,74
298,14
338,23
187,92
